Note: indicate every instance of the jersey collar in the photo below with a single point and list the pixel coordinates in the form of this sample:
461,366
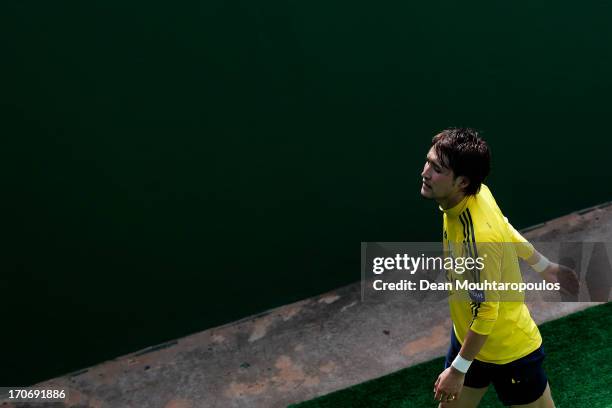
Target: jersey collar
457,209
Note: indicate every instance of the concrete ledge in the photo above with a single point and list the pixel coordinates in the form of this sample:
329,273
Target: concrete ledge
297,351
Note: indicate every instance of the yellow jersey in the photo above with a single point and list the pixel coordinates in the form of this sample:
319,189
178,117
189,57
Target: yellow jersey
476,227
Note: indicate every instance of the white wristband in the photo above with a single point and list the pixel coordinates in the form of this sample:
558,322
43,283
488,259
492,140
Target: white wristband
541,265
461,364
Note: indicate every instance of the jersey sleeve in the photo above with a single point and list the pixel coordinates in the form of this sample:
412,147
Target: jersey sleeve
485,303
524,248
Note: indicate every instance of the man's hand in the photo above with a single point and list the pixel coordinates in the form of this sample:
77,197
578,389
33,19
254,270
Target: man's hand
448,385
567,278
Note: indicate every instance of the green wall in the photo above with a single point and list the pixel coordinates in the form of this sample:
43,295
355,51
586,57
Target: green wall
169,167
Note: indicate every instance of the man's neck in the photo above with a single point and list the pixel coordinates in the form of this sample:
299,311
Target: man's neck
451,201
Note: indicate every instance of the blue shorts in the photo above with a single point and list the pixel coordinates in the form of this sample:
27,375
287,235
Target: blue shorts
518,382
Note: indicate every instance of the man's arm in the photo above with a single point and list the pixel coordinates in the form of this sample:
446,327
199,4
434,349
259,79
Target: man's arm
553,272
450,382
472,344
550,271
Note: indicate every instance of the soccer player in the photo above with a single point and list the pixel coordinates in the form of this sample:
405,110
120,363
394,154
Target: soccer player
492,341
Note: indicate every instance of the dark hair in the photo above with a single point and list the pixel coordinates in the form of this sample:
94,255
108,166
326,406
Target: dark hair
465,153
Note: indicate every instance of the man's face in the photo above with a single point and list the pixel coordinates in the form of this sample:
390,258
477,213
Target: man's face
439,182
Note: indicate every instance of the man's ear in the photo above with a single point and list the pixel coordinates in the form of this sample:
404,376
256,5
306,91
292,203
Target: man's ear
463,182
